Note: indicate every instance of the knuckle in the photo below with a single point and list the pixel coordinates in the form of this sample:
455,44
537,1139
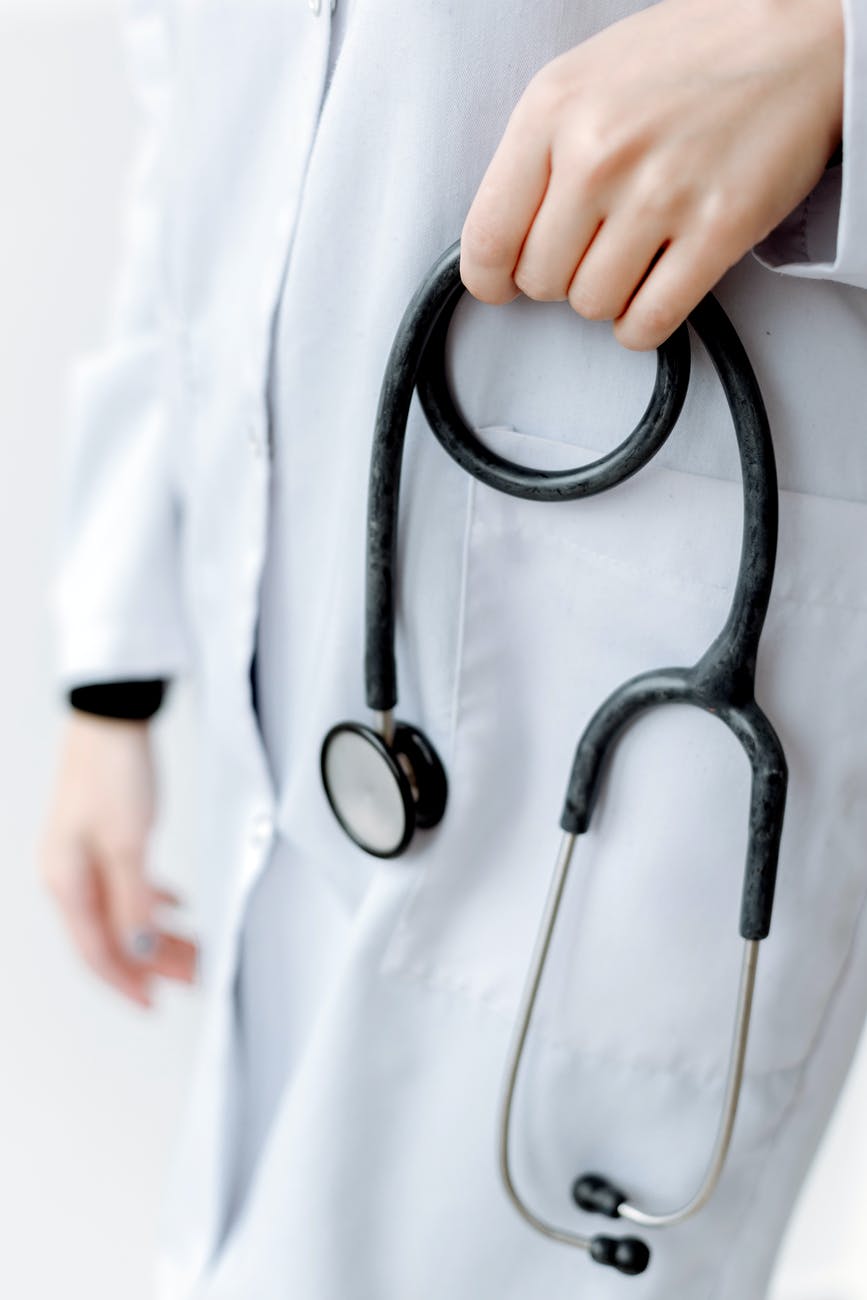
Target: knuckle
645,328
535,285
600,165
661,189
484,248
485,292
654,204
657,319
600,149
542,99
588,302
635,342
723,216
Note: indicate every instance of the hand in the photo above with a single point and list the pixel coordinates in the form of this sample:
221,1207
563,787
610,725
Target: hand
93,852
639,166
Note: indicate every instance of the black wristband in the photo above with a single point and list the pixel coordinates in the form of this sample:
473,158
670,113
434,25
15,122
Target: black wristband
133,701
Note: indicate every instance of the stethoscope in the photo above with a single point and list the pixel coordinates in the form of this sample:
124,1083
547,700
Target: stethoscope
385,781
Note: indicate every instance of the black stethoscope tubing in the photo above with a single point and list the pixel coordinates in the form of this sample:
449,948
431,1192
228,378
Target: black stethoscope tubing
723,680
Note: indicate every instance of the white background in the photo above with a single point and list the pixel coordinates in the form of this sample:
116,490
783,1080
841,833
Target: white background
90,1086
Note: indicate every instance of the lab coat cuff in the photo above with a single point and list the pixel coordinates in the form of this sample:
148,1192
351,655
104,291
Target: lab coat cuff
824,236
135,700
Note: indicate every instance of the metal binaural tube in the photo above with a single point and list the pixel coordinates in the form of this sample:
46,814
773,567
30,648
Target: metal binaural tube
734,1081
522,1025
627,1255
604,1196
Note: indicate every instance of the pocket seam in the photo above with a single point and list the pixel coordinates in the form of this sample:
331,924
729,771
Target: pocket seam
456,986
677,582
785,590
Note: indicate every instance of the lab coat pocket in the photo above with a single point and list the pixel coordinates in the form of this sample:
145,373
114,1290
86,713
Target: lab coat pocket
562,603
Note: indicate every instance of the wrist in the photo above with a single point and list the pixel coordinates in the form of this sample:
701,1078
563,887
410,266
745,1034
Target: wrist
821,27
84,722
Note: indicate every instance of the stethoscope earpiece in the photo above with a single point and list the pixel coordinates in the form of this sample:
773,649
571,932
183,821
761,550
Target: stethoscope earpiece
594,1194
382,787
627,1254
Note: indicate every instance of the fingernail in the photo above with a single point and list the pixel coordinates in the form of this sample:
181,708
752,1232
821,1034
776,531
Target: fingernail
141,943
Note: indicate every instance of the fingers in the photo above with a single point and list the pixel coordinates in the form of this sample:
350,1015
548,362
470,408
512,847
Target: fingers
108,907
503,209
161,894
535,227
630,185
675,284
564,227
133,898
175,957
613,267
93,858
82,903
130,899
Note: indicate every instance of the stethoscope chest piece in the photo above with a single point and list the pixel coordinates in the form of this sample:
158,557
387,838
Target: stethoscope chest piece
381,787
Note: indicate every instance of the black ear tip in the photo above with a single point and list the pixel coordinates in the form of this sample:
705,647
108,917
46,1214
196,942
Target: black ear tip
596,1195
627,1254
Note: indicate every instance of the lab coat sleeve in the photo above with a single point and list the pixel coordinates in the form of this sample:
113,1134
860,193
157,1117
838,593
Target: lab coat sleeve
825,236
115,602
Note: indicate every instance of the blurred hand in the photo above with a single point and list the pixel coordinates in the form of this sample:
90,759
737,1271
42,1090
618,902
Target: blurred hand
93,856
669,143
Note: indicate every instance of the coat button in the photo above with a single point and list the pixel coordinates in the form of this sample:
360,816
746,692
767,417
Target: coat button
316,5
255,439
261,828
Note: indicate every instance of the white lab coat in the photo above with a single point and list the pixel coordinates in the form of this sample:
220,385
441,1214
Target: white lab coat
333,157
